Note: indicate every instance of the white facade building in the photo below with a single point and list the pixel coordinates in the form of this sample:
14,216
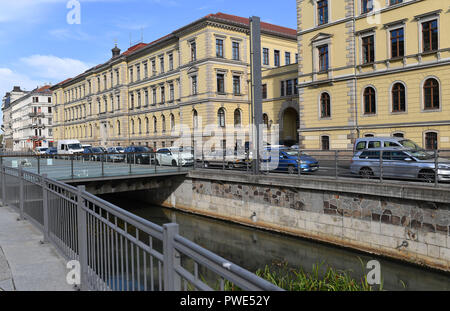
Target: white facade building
32,120
8,99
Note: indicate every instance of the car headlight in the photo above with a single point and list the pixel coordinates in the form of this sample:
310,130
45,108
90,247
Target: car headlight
444,167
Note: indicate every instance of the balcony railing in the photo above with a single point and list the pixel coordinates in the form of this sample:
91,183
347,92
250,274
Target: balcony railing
36,115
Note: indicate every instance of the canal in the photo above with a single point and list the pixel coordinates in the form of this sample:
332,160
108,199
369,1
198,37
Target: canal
253,249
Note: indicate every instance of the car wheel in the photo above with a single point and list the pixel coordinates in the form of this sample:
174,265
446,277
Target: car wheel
427,176
291,169
366,172
230,166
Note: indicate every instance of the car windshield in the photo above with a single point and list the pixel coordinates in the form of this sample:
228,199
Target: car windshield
294,152
75,146
96,150
421,155
119,149
410,144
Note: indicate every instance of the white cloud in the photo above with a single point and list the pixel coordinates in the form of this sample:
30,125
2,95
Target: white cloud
53,67
10,78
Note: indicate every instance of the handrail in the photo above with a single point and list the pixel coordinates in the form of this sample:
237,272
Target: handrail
116,249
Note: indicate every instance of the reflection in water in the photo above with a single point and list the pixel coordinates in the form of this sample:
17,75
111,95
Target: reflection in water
254,249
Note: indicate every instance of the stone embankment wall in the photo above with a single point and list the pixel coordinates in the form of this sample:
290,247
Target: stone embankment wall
399,220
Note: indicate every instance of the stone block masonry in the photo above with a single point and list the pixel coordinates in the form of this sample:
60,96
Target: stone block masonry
371,217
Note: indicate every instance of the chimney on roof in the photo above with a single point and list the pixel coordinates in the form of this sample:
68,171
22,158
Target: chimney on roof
17,89
115,51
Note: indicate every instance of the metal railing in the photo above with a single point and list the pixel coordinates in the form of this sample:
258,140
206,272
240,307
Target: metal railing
342,164
94,165
335,164
117,250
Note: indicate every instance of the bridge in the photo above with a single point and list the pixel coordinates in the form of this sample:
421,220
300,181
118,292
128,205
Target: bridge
76,169
116,250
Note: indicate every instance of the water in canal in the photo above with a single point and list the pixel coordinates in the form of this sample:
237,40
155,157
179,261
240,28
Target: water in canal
253,249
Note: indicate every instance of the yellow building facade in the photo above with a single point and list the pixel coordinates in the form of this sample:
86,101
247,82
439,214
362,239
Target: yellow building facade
373,68
197,76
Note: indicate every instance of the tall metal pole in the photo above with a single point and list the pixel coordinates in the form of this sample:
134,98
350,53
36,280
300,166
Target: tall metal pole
255,63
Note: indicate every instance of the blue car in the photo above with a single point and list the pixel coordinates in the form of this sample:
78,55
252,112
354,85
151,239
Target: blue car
51,151
289,161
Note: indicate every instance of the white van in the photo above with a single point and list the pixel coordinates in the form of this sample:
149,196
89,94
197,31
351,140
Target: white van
69,147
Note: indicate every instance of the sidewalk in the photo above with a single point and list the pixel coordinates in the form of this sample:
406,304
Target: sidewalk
26,264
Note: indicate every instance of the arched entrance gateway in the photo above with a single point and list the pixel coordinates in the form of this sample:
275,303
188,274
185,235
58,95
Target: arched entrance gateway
289,125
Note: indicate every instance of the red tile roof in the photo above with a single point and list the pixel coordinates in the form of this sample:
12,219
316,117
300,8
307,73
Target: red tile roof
246,22
45,88
135,48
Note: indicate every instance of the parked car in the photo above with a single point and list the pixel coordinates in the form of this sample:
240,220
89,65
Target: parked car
40,150
51,151
289,160
219,158
114,155
384,142
399,163
117,149
174,157
93,154
138,155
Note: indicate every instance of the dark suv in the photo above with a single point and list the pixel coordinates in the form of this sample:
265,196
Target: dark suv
138,155
93,154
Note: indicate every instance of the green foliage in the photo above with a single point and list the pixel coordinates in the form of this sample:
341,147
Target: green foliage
298,280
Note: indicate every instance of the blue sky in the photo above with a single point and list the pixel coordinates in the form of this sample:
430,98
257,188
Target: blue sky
38,46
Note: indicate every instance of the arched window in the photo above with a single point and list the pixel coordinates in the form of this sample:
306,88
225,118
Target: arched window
195,119
163,119
147,127
398,98
237,118
369,135
155,125
400,135
132,126
370,105
140,125
118,127
266,120
172,122
90,130
221,117
431,141
431,94
325,105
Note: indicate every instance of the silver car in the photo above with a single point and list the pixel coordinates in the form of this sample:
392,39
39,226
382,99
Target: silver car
399,163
